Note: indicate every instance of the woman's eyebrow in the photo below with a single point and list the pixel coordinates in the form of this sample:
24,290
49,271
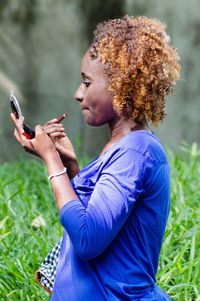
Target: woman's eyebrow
85,75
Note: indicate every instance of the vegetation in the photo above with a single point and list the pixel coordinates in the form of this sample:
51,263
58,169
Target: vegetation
179,269
25,194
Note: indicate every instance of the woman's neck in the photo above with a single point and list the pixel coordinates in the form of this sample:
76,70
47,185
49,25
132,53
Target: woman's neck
120,127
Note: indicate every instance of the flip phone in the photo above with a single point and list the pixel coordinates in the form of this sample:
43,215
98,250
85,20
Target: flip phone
28,132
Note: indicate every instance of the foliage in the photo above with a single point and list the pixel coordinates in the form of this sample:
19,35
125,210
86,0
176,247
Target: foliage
25,193
94,12
179,269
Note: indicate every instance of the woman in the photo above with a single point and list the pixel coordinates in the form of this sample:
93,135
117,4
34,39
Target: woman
114,211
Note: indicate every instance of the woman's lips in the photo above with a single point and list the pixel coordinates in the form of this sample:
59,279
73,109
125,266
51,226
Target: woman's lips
83,108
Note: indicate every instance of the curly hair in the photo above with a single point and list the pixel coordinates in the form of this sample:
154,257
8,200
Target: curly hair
141,66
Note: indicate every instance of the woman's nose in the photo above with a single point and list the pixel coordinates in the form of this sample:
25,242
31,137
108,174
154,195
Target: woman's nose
79,93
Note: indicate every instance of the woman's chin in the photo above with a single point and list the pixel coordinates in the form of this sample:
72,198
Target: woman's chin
91,122
87,117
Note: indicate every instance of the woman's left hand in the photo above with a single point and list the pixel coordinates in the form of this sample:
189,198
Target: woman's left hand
41,145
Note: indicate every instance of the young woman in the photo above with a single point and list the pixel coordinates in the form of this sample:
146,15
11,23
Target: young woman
114,211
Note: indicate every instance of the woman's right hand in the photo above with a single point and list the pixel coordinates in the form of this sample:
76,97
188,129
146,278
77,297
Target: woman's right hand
63,146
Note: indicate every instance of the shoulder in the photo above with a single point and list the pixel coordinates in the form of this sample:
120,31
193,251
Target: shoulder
136,151
145,144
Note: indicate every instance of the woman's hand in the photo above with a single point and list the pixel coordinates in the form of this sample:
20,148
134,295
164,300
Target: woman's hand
60,140
63,146
41,145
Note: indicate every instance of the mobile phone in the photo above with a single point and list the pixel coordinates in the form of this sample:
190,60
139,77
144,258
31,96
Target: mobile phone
28,132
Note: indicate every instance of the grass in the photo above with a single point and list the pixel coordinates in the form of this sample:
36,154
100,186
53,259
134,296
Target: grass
25,193
179,269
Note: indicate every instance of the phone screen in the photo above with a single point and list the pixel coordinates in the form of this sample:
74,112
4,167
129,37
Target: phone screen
28,132
15,105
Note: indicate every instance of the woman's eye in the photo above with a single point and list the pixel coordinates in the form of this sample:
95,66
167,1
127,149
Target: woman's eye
86,84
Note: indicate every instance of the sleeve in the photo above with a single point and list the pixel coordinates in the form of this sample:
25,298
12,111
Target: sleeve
92,229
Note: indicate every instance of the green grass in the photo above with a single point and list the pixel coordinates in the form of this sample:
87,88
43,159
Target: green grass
25,193
179,269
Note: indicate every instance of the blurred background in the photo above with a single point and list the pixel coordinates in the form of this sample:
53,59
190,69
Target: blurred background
41,48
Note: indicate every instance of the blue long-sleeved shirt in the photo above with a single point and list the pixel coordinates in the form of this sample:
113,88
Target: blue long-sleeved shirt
113,233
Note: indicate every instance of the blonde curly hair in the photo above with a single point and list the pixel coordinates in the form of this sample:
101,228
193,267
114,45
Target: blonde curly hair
141,66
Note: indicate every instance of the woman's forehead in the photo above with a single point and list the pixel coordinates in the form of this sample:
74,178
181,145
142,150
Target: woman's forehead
91,67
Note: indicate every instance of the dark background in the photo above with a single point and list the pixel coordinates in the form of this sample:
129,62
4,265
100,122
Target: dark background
41,48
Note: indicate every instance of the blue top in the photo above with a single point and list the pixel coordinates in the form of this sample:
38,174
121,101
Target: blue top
113,233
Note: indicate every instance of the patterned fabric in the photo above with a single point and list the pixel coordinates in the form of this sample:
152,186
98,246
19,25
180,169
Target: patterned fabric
46,274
